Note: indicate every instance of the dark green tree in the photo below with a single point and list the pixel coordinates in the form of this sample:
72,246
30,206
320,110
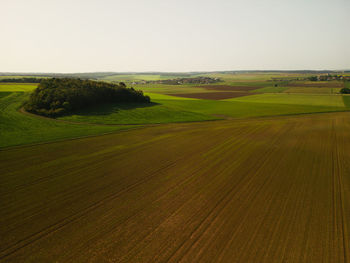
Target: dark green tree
56,97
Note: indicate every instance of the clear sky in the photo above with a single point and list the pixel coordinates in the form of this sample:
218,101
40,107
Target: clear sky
177,35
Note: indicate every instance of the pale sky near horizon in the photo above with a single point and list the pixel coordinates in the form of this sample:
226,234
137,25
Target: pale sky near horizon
178,35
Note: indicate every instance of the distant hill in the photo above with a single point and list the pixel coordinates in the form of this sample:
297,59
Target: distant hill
98,75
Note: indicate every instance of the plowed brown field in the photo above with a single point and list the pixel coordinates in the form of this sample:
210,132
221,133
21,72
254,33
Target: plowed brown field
258,190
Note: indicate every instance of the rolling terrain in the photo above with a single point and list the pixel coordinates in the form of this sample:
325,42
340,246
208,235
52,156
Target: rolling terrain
18,128
239,171
244,96
258,190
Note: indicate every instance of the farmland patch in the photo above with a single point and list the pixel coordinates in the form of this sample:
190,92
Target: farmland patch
204,192
313,90
319,84
301,99
228,88
212,95
17,87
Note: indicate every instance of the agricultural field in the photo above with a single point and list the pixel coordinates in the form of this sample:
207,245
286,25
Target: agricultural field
18,128
347,84
234,97
142,77
208,102
246,97
271,89
117,145
312,90
219,191
295,99
178,109
237,171
14,87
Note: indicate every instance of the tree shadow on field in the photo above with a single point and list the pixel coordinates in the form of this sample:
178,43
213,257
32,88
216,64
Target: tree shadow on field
106,109
346,100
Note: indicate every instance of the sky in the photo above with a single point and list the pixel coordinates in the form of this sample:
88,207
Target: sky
178,35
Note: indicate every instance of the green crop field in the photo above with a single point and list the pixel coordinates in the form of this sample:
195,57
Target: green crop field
271,89
15,87
347,84
4,94
312,90
297,99
17,128
176,109
158,112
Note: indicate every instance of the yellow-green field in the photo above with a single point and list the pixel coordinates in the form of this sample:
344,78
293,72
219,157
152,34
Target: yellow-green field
17,87
314,90
295,99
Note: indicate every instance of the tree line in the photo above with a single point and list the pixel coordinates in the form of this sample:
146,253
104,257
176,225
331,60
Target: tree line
179,81
21,80
328,77
57,97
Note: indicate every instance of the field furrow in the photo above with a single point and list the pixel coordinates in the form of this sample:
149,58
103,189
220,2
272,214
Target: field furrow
259,190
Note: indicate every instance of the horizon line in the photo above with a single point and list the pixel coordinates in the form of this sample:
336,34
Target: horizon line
176,72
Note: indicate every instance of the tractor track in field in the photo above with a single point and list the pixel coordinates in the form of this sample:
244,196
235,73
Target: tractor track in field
221,203
65,221
50,229
338,194
182,183
213,214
